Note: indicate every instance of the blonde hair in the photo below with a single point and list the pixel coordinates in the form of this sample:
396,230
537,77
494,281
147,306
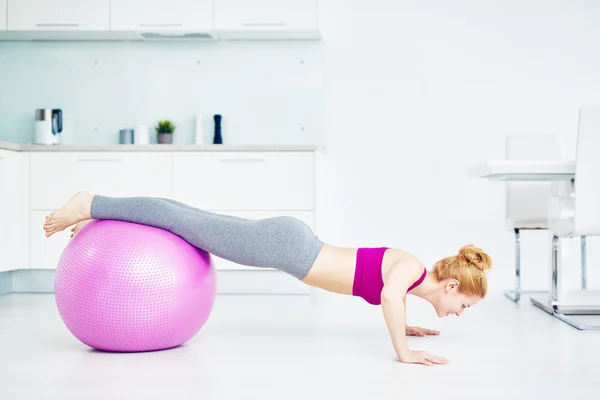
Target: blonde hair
469,267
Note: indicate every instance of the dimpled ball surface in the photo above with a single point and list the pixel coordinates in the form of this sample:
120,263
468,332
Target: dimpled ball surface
126,287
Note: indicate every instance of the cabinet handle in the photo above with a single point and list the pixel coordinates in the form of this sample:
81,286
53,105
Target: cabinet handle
258,24
57,25
242,160
160,25
99,160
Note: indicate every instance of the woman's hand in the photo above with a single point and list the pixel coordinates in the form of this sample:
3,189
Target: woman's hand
417,331
423,357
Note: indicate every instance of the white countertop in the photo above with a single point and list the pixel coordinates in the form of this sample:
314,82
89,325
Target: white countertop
154,147
523,170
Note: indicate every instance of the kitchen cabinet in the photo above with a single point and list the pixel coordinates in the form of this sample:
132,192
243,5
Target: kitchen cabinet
6,222
45,251
245,19
162,15
245,181
14,216
55,177
2,15
253,184
118,174
58,15
140,20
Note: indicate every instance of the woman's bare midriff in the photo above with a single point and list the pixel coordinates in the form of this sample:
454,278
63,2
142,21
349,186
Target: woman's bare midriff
333,270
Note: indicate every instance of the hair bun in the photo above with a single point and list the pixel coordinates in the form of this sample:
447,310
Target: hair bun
476,257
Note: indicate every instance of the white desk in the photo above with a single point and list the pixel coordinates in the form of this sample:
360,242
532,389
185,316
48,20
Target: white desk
573,302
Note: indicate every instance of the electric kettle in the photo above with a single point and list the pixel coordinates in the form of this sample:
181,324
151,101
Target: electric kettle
48,126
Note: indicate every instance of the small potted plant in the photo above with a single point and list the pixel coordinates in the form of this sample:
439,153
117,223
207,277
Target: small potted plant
164,131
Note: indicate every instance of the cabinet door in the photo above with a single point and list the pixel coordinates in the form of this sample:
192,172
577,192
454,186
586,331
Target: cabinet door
266,15
2,15
234,181
14,213
5,224
161,15
60,15
45,252
56,176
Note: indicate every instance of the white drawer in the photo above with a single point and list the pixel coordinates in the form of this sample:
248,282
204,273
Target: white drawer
55,177
62,15
161,15
266,14
305,216
45,252
245,181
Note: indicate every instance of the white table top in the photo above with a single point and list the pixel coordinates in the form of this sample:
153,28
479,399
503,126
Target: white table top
517,170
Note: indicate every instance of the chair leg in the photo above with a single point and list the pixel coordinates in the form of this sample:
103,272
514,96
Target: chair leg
554,303
516,294
583,263
554,249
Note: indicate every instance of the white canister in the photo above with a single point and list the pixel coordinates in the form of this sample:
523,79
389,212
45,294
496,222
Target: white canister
141,135
199,129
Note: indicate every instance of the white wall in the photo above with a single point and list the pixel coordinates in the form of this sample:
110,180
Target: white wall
267,92
418,90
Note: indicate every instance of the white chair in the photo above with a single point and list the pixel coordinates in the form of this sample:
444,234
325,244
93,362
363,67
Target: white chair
527,202
578,214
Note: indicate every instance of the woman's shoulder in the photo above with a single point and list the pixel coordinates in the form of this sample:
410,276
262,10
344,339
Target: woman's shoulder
408,262
399,256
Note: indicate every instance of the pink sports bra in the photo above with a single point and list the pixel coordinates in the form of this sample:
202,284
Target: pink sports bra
368,281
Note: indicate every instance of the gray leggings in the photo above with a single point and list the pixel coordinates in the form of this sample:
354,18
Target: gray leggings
284,243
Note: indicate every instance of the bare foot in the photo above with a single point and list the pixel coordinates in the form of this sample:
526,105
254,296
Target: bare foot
77,209
79,226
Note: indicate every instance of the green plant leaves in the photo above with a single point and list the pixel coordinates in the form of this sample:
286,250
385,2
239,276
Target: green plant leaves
165,126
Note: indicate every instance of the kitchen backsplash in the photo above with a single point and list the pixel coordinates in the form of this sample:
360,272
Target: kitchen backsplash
266,92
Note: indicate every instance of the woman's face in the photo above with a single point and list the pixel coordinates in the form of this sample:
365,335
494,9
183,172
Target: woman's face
452,302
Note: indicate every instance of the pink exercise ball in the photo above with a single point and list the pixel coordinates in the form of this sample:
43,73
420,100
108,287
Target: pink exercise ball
126,287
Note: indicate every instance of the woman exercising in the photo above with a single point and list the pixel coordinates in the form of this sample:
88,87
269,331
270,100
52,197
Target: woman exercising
381,276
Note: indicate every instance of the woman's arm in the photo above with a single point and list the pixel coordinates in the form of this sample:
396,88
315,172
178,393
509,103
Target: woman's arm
393,305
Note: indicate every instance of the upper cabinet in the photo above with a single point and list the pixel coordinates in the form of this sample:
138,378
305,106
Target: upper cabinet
158,19
161,15
78,15
266,19
2,15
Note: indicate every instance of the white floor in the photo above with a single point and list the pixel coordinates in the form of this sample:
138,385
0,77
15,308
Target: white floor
287,347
